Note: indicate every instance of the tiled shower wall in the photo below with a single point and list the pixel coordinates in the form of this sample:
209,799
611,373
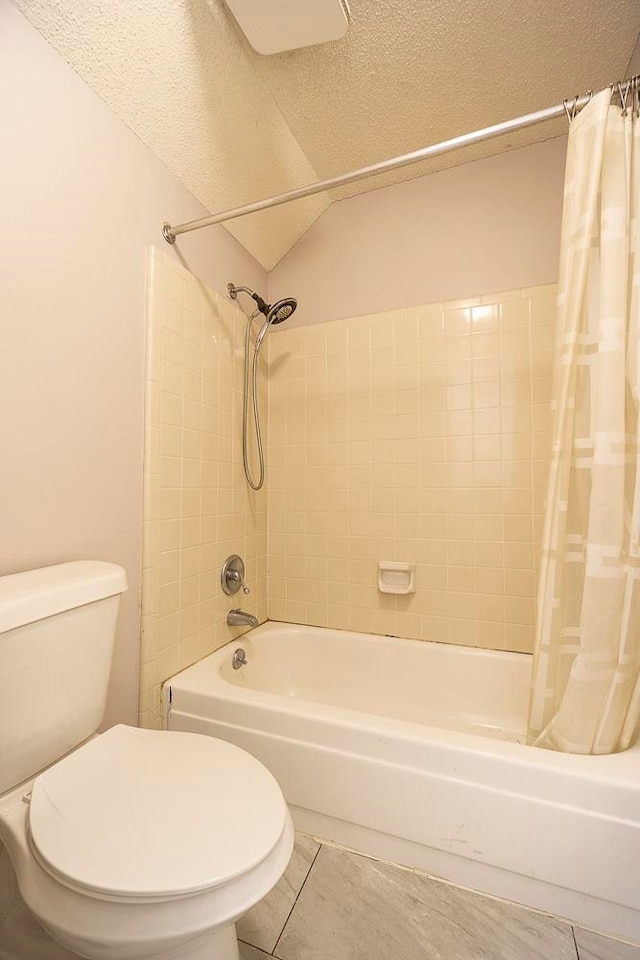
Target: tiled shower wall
419,435
198,508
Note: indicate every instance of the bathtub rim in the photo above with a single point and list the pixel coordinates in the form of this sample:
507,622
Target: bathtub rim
618,769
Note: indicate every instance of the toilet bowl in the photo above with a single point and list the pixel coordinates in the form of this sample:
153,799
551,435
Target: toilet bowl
136,844
147,844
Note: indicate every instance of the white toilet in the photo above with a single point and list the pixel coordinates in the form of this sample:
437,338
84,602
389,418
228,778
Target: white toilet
133,844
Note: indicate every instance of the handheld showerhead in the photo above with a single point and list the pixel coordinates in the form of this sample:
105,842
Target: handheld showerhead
273,313
278,313
282,310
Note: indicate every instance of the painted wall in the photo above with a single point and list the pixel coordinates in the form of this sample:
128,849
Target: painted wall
418,435
490,225
198,508
82,198
634,62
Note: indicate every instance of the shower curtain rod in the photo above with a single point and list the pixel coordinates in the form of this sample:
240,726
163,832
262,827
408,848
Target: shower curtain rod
569,108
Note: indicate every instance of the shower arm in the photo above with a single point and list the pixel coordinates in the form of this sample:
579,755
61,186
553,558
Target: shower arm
234,290
478,136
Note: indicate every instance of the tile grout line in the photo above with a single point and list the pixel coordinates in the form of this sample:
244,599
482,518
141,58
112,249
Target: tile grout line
575,942
293,906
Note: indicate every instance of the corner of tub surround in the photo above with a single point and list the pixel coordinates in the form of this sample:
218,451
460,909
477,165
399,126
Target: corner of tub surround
196,509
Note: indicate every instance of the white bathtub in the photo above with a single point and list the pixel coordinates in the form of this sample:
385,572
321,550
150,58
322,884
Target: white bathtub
412,752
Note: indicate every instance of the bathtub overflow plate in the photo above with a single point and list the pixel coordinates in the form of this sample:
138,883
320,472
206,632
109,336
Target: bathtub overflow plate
238,659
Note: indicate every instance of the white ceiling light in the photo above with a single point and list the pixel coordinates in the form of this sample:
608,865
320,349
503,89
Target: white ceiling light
272,26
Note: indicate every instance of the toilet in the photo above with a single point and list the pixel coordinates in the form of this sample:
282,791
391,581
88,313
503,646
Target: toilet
131,844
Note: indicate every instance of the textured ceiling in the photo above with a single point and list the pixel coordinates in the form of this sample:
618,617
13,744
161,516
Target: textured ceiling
235,126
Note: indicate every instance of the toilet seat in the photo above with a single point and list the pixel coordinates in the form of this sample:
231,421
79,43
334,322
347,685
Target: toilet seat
150,815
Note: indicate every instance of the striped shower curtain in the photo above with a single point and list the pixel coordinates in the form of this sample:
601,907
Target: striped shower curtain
585,694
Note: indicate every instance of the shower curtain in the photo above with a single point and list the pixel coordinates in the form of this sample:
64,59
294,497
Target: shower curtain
585,690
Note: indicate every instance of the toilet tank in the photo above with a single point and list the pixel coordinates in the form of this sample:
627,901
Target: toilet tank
57,629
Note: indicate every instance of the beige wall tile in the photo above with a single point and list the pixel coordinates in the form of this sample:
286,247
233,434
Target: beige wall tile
197,506
430,438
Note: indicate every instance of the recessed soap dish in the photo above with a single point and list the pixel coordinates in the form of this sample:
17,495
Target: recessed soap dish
396,577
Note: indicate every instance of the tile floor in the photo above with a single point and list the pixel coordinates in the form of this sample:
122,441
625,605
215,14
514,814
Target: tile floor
332,904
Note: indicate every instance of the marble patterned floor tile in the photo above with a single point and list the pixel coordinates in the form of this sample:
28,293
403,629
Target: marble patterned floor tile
247,952
593,946
353,908
262,926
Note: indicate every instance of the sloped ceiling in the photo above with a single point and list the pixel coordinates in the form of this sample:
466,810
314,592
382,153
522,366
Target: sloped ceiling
235,126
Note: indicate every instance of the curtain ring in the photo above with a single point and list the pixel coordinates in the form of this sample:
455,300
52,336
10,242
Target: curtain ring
623,96
571,109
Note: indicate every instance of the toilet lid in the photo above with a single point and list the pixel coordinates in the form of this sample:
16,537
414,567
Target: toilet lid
137,813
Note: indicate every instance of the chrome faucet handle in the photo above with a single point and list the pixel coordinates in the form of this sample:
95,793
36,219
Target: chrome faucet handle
232,576
236,575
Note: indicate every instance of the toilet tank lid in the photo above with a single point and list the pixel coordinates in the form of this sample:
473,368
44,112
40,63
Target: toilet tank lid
36,594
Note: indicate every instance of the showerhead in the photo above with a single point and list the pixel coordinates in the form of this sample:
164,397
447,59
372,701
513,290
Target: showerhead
277,313
273,313
281,310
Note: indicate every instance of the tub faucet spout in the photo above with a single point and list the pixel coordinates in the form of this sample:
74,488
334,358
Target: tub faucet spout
238,618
